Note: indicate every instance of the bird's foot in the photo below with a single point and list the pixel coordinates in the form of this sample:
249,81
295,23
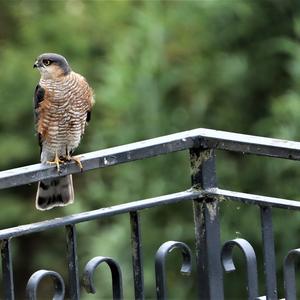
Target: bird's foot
77,161
57,161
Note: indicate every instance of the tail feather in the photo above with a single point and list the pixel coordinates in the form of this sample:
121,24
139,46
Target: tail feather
55,192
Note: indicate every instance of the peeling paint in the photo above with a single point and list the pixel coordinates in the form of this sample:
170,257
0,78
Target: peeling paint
109,160
220,198
212,209
213,194
197,160
196,188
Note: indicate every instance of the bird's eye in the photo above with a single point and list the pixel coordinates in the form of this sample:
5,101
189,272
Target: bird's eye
46,62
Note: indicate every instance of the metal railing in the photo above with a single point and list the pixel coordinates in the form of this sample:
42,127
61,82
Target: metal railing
212,258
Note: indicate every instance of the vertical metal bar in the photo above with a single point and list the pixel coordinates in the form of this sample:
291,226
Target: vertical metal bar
74,287
269,253
137,261
207,226
7,270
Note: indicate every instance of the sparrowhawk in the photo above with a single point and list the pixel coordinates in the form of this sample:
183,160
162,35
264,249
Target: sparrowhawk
62,104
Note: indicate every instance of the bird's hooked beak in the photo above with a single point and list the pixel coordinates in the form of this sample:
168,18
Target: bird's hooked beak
36,64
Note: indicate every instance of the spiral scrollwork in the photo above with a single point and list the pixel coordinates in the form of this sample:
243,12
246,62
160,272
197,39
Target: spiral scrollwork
251,264
90,268
160,264
289,274
37,277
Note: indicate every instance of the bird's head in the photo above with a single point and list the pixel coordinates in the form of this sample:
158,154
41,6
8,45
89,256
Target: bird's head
52,66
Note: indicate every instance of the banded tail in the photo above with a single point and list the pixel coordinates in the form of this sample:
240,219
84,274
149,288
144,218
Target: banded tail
54,192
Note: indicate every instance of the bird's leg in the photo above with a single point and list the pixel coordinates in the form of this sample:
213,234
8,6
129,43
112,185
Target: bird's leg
76,159
56,162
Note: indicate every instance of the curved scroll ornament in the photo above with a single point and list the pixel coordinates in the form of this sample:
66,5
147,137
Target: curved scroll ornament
289,274
116,275
160,265
251,265
37,277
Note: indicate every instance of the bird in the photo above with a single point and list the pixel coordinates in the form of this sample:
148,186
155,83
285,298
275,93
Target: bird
63,100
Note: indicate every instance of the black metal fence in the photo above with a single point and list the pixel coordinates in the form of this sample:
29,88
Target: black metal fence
212,258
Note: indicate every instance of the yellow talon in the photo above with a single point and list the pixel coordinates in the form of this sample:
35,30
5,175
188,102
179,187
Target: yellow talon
77,161
56,162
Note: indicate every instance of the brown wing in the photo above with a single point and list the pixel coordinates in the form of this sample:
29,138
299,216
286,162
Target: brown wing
86,98
42,122
38,97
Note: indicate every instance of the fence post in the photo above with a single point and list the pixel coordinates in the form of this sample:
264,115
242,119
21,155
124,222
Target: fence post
207,226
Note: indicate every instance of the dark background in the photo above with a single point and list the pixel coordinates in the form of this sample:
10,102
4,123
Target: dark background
157,67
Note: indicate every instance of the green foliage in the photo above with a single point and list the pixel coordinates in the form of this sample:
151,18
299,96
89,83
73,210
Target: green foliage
156,67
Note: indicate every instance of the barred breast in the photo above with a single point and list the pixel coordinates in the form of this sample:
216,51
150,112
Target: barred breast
63,113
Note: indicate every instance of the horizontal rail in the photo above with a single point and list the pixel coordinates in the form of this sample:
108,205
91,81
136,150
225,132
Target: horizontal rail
221,195
249,144
188,195
149,148
100,159
99,213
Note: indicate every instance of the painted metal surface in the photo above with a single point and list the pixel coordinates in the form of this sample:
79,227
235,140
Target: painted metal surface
213,260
